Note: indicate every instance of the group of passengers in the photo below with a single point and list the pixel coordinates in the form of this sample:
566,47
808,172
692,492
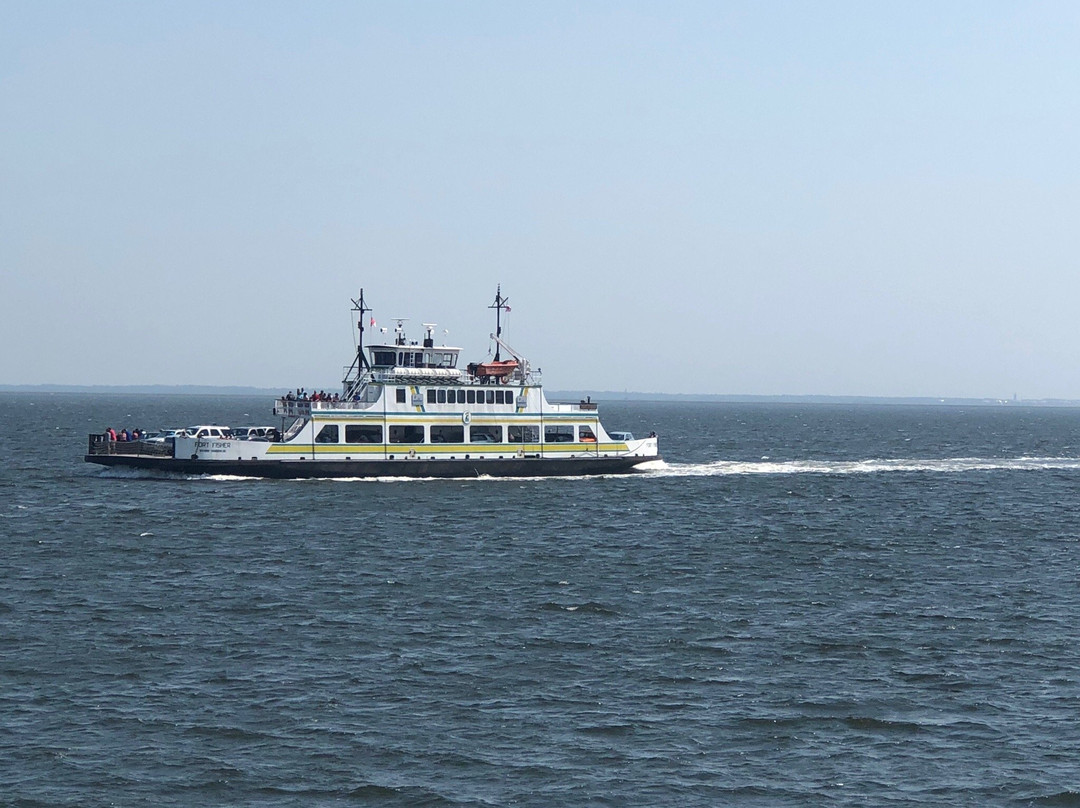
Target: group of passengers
319,395
125,434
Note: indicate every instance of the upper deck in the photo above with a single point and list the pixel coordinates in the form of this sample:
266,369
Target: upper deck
401,397
403,354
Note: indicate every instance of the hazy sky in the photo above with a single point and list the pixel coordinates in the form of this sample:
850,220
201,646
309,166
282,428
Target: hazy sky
858,198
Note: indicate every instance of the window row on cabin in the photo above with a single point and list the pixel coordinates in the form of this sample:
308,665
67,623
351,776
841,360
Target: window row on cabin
488,433
461,395
442,395
415,359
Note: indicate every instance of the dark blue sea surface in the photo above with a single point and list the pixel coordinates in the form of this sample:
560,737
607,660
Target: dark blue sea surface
804,605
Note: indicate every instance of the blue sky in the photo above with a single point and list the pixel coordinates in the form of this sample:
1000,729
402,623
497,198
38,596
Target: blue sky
747,198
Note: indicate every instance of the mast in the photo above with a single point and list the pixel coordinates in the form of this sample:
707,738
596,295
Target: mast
361,360
499,305
360,307
350,384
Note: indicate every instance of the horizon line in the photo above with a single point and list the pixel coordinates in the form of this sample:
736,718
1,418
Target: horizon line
600,395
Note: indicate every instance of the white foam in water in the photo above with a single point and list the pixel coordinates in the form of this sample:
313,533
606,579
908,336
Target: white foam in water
871,466
122,472
651,465
716,468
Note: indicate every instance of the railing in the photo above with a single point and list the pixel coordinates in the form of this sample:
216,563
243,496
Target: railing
571,406
294,429
101,445
303,407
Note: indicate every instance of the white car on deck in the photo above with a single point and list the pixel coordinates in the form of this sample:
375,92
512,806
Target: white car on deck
255,433
211,432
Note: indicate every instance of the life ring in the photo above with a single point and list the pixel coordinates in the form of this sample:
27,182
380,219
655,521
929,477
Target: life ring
466,417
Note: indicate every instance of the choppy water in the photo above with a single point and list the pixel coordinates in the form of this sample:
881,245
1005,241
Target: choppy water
805,605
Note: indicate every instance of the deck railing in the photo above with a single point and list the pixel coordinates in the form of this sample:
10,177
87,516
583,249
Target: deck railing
101,445
303,407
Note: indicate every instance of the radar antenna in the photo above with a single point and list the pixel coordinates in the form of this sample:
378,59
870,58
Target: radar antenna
429,335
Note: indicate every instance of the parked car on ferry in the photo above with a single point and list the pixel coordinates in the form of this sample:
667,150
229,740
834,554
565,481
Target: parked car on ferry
164,435
213,431
255,433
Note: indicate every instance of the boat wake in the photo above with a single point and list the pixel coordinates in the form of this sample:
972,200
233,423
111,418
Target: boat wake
124,473
716,468
719,468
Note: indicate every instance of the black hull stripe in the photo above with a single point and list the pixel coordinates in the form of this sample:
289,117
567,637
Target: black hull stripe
277,469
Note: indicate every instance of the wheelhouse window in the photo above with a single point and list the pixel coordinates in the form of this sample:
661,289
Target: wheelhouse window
384,358
485,434
558,434
586,435
328,434
470,396
431,394
438,359
460,396
361,433
441,395
524,433
410,433
401,395
447,434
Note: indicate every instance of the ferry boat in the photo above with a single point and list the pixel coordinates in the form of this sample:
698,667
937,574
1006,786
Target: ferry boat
406,409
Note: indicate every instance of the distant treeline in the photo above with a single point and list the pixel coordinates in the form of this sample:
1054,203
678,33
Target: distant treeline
556,395
575,395
142,389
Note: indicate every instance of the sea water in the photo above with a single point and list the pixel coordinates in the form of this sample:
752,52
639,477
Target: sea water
801,605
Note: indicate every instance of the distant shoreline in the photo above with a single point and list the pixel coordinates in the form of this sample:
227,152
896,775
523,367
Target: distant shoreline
562,395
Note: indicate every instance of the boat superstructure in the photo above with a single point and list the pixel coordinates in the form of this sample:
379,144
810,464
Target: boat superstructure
408,409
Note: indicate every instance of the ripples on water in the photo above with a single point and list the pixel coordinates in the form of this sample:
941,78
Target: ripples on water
801,605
